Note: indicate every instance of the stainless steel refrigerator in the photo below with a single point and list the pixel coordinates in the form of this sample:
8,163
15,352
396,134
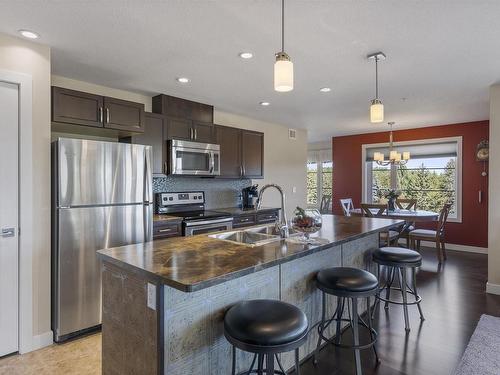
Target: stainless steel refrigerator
101,198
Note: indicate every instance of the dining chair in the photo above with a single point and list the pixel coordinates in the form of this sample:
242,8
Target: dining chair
388,238
407,204
437,236
347,206
326,204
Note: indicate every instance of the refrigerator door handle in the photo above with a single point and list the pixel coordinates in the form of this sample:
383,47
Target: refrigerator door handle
148,177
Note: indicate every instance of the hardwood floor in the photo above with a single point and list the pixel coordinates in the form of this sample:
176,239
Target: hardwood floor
453,300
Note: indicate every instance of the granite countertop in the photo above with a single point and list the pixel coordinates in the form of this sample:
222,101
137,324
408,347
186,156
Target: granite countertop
243,211
194,263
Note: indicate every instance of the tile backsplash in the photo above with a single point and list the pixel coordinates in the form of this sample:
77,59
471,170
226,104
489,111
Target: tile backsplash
218,192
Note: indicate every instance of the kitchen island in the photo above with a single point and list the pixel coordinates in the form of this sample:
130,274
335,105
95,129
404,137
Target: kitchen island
164,301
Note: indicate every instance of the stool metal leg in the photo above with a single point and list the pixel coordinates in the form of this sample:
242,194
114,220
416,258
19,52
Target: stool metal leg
355,331
402,283
233,366
339,313
414,277
320,328
297,362
370,327
391,273
269,364
260,369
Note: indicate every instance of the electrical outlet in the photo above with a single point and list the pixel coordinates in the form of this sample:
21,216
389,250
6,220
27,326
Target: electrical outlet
294,189
152,296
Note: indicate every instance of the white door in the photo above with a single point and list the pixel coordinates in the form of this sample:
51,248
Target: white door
9,116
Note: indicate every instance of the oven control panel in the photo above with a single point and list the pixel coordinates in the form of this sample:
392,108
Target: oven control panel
171,199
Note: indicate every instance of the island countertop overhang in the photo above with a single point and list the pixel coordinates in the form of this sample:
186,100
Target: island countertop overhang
193,263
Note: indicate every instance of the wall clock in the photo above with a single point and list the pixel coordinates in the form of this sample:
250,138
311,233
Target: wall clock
483,151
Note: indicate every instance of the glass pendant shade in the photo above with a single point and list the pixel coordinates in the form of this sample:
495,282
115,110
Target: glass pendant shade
376,111
283,73
406,155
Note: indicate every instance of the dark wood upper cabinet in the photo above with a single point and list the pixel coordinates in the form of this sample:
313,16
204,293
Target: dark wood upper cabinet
187,120
179,128
203,132
153,136
229,140
252,154
75,107
81,108
123,115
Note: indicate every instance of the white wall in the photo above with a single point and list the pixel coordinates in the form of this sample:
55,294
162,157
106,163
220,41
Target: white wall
284,159
21,56
493,285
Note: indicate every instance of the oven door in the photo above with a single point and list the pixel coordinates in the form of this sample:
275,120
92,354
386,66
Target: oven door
194,159
192,228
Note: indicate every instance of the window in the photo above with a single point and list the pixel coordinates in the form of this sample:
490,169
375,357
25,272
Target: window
432,176
319,176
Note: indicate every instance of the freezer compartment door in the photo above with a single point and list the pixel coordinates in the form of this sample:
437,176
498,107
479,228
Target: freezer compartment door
81,233
95,172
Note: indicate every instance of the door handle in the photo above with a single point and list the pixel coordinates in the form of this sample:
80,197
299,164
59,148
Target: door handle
195,133
8,232
107,115
101,115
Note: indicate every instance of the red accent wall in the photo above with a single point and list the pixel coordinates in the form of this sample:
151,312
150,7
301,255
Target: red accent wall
473,230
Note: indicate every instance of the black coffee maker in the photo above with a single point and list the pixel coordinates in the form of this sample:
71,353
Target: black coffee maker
250,195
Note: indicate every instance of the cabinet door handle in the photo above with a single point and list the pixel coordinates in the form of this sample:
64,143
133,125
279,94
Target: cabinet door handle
101,116
165,167
165,230
241,170
244,171
190,133
195,133
107,115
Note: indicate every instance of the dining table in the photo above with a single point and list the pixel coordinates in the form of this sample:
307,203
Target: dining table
412,216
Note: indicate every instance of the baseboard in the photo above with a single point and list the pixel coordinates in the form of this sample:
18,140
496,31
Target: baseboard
492,288
43,340
452,246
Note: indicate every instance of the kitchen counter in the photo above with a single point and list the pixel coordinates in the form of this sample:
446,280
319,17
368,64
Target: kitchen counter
152,326
193,263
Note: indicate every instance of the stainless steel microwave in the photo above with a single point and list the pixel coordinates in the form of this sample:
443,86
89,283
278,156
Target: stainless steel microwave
194,158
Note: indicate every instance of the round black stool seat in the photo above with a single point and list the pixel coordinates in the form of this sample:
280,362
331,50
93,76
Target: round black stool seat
265,323
397,256
347,281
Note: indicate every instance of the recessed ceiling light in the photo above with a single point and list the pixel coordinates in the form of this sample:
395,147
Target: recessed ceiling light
325,89
183,80
246,55
29,34
264,104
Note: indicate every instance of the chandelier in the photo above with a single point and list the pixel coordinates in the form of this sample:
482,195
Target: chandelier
395,157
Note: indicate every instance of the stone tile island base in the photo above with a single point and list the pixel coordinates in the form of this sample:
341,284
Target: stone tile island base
157,329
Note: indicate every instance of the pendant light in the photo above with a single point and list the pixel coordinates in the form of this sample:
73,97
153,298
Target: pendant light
376,108
283,67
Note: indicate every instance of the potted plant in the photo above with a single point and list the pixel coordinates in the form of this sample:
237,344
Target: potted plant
391,197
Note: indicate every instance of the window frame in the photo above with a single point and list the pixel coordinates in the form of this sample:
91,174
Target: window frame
319,174
367,180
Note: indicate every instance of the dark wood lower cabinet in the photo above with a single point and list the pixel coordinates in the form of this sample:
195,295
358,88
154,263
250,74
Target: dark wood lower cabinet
265,216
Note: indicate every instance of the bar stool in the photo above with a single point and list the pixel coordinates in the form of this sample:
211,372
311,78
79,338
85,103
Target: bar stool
397,260
265,328
349,284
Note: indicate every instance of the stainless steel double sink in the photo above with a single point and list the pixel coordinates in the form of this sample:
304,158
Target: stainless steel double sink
254,236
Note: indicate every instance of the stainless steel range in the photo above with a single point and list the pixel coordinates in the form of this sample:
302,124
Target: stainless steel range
191,207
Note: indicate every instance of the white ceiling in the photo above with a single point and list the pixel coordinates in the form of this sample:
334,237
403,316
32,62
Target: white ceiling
441,55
